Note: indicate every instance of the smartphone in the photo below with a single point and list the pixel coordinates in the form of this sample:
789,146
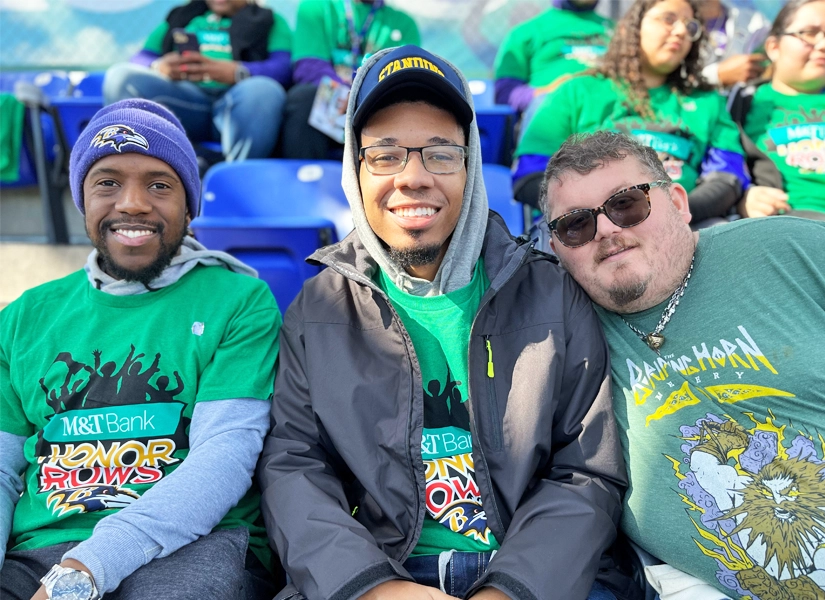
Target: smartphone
185,41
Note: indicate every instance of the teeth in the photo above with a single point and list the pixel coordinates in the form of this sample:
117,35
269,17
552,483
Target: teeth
133,233
415,212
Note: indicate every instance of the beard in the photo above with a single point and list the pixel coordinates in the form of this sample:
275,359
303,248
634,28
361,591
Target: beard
417,256
167,251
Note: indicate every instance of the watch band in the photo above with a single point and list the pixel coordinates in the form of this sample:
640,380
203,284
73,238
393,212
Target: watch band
50,579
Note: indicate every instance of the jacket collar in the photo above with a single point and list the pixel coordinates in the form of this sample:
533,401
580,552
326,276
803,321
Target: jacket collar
501,252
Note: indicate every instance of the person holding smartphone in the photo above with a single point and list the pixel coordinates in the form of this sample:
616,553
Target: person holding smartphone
222,67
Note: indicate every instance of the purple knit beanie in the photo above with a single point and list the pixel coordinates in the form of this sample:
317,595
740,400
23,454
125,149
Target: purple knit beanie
136,125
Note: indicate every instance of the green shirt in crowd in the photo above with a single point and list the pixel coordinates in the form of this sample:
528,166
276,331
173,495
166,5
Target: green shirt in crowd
684,129
724,432
439,327
790,130
555,43
322,31
104,387
213,34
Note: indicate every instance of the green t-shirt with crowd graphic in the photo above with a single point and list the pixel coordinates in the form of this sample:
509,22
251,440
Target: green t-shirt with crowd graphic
439,327
213,34
322,31
555,43
723,433
683,130
104,386
790,130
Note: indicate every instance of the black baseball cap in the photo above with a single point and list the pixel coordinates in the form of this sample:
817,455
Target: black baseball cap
412,67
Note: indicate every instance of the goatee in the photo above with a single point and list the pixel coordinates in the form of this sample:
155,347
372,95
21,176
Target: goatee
166,252
415,257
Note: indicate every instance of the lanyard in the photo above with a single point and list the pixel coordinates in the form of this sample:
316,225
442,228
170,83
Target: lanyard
358,39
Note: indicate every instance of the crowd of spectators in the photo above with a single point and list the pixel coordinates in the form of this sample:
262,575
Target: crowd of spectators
662,73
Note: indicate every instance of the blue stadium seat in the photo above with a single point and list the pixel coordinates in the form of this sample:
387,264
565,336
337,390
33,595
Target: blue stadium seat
496,124
77,109
272,214
499,185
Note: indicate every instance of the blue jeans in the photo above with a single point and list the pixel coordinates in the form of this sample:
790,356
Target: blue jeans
455,574
245,117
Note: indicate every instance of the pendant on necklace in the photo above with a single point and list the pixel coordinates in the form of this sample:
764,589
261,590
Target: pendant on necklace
654,340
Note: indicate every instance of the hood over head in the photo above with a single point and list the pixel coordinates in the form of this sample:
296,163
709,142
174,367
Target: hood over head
390,71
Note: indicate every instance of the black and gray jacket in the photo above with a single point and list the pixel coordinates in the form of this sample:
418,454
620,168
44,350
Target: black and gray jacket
342,474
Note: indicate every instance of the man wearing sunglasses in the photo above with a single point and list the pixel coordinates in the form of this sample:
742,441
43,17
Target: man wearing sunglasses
717,344
442,425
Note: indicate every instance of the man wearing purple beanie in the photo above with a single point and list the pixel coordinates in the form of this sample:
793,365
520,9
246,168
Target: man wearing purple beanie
135,393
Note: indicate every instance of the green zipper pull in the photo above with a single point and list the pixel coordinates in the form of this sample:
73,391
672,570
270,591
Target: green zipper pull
354,510
490,372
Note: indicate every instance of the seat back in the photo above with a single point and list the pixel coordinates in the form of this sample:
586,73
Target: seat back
272,214
499,185
496,123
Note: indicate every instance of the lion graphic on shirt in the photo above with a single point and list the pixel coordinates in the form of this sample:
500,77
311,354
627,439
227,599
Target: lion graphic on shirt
766,521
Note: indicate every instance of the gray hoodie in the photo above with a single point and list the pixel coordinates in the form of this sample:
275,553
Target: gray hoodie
456,269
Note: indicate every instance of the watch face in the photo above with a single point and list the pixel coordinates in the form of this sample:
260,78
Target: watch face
72,586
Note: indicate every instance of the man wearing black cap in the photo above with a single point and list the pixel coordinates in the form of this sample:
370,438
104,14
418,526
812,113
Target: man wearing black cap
134,393
442,413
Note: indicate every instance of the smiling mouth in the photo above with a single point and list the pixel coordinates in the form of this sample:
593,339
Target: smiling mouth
134,233
409,212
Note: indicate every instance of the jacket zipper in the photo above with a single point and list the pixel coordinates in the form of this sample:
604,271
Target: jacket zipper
491,500
495,427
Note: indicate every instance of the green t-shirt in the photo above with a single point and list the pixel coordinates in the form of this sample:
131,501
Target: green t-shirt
104,386
790,130
724,434
554,43
439,327
322,32
684,129
213,34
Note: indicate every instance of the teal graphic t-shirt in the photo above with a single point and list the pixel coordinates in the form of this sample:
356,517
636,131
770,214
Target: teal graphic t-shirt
440,330
723,432
213,34
790,130
104,387
554,43
683,130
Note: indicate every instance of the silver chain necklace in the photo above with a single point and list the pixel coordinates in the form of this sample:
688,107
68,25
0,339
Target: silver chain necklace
655,339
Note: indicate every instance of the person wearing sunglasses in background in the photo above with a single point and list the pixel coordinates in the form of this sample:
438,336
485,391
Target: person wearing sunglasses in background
785,118
460,433
649,85
718,365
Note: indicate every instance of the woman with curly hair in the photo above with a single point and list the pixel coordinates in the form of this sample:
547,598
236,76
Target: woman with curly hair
649,85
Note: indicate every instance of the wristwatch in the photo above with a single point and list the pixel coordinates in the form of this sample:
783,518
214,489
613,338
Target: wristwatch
63,583
241,73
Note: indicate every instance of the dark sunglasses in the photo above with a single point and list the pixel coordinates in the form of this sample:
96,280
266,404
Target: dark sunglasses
625,208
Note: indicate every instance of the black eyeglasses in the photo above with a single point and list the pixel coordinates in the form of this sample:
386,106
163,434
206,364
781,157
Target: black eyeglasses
390,160
809,36
625,208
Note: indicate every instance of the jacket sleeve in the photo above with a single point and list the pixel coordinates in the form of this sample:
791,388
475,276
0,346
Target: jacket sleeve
564,523
326,552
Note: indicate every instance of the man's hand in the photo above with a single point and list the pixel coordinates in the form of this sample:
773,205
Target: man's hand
169,65
762,201
392,590
741,68
196,67
491,594
69,563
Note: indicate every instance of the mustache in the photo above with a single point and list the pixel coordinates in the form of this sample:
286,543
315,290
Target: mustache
609,246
